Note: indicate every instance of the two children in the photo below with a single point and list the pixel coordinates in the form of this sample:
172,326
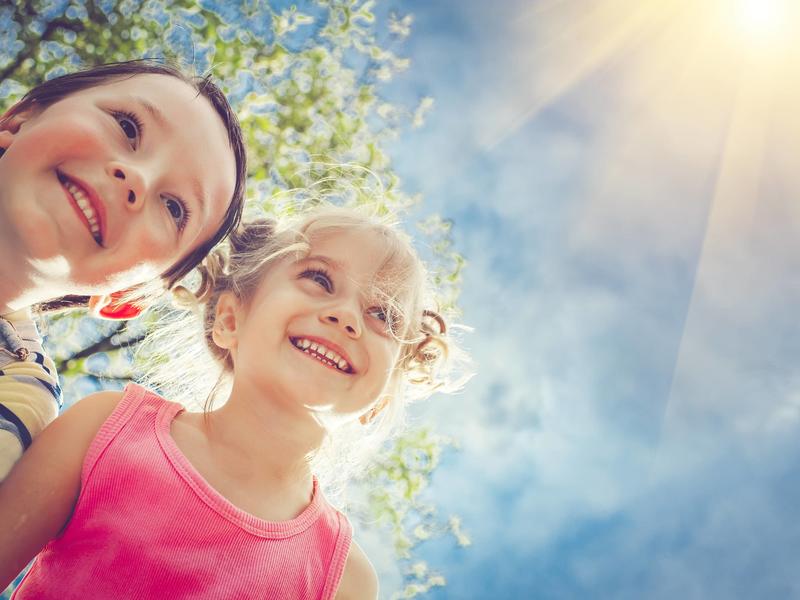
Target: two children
321,327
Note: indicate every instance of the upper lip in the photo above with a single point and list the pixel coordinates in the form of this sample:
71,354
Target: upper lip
94,200
330,346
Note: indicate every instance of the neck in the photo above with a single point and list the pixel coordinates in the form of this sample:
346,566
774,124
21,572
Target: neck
266,440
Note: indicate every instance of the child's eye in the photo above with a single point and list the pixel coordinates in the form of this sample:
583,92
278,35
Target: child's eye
319,276
131,126
388,320
378,313
178,211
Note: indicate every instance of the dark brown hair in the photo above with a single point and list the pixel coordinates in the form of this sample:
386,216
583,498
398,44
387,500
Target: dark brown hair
58,88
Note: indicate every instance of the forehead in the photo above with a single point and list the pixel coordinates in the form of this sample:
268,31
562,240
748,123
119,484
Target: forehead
361,253
150,83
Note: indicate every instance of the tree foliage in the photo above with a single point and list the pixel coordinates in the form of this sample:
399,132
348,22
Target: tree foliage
305,84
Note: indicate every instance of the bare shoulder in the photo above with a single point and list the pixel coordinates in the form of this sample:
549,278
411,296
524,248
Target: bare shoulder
74,430
78,425
359,580
94,408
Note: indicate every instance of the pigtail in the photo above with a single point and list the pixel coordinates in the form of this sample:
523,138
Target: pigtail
250,237
424,359
244,248
213,274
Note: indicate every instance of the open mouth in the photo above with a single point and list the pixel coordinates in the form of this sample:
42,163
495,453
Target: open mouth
85,201
325,355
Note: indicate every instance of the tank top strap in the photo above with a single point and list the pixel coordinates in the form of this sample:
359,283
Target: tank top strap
340,553
134,397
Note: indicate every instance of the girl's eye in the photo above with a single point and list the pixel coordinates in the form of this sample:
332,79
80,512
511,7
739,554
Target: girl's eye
387,320
131,126
319,276
178,211
378,313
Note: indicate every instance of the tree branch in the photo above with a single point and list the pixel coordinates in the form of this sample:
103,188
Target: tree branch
104,344
30,48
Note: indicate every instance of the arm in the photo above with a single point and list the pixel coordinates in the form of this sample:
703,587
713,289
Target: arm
37,498
359,581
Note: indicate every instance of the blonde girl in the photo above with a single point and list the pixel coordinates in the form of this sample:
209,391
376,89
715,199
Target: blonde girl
114,183
320,327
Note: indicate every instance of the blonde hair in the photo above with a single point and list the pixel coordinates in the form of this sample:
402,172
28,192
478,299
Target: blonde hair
252,249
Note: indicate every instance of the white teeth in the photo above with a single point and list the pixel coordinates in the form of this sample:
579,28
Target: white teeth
86,208
322,353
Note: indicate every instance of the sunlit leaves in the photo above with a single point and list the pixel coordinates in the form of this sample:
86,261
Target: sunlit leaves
396,485
449,264
400,26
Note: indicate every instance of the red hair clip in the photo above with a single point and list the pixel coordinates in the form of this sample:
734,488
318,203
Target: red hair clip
111,307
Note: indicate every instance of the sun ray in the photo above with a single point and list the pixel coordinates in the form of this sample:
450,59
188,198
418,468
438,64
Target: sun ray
722,265
575,46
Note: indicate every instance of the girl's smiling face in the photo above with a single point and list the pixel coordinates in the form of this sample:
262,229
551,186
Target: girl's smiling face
314,334
117,182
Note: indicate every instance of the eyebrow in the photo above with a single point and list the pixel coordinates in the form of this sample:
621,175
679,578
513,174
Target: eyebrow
154,112
333,263
200,194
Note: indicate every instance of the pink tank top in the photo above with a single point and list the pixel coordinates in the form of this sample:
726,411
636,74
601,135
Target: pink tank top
147,525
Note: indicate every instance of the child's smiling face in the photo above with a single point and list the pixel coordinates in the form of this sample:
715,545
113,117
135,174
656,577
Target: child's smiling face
321,304
117,182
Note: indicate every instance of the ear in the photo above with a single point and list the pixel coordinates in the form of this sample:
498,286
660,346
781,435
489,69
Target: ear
226,321
10,124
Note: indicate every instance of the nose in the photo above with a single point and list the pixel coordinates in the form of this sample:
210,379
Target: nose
130,181
344,317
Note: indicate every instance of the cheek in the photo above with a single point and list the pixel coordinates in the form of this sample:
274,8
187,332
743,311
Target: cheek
385,359
149,239
64,137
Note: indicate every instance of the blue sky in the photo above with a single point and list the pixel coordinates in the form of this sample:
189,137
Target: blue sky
622,176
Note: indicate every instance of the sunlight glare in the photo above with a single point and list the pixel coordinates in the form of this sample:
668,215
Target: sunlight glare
762,18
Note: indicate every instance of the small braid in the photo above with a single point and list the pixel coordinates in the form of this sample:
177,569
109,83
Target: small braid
213,271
